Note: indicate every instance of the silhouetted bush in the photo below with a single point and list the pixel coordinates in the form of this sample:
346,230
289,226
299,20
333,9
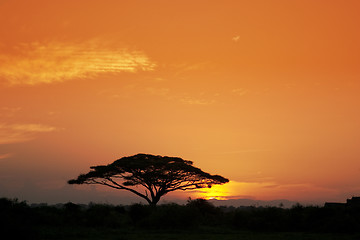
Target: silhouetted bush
205,212
102,215
22,221
16,219
172,216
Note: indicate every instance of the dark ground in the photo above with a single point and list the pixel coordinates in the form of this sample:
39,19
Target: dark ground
106,234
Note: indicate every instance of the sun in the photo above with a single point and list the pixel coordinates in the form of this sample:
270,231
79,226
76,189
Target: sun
217,192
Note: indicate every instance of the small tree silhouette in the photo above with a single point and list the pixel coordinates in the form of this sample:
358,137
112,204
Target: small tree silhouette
157,175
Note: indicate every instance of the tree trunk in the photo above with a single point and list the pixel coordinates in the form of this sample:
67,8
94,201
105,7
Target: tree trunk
154,201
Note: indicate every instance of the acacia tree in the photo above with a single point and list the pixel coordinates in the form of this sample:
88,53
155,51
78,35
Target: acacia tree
155,175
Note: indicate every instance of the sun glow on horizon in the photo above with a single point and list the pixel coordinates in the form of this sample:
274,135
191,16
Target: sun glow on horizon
218,192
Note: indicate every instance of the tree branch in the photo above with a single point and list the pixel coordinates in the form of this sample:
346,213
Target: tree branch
118,186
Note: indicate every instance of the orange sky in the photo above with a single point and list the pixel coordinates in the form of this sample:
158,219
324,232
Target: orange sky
265,93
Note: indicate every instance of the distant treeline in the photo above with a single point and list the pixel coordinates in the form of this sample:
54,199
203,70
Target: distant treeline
197,214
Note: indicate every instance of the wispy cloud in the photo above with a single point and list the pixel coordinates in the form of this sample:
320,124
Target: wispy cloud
250,150
183,98
236,38
181,68
32,128
6,155
14,133
8,111
240,91
39,62
196,101
158,91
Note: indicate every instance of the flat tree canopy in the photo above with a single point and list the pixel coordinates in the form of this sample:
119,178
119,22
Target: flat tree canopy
157,175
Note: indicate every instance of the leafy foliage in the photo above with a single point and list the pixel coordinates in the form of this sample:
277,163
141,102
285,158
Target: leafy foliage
157,175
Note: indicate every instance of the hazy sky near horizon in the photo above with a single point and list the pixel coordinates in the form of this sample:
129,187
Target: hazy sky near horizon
265,93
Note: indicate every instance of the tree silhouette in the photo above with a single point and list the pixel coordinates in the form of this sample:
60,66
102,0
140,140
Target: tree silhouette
158,175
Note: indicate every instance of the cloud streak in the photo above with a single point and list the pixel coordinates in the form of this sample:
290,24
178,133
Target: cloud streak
240,91
14,133
236,38
6,155
196,101
35,63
